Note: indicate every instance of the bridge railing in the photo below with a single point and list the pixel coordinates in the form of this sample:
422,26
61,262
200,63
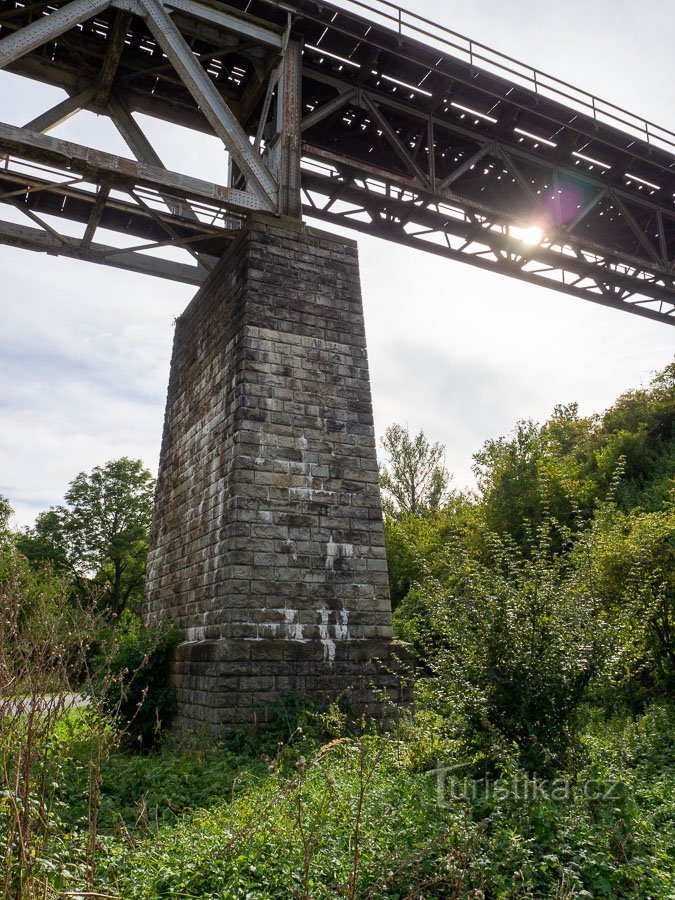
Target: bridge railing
412,25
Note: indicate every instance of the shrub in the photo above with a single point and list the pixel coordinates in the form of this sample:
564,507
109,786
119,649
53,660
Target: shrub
132,682
514,647
43,645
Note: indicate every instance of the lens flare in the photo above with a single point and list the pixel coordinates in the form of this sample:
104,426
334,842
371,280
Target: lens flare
532,236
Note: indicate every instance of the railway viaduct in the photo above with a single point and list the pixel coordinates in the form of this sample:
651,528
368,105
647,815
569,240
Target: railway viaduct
267,545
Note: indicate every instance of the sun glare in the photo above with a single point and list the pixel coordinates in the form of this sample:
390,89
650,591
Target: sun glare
532,235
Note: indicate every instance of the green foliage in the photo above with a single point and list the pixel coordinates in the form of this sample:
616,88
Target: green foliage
514,646
567,466
43,646
132,682
5,516
362,817
100,538
412,543
540,593
414,479
542,612
365,817
628,561
33,599
640,428
348,821
141,791
45,545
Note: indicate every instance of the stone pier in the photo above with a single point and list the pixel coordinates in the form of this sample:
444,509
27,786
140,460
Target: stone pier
268,546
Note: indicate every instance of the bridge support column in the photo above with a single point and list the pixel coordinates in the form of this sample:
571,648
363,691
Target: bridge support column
268,545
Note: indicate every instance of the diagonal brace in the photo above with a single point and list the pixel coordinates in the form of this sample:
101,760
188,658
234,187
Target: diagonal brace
464,167
399,147
221,118
113,56
142,149
318,115
46,28
585,210
61,112
524,184
639,233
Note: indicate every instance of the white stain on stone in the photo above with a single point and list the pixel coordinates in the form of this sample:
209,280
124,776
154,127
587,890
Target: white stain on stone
337,551
294,629
328,650
340,631
342,627
323,626
328,644
196,633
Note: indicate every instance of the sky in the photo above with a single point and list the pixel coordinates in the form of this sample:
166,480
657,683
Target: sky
462,353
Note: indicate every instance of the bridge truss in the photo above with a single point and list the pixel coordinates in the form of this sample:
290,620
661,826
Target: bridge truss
365,116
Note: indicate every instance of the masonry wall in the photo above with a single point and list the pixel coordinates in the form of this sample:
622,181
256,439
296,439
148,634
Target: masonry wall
268,545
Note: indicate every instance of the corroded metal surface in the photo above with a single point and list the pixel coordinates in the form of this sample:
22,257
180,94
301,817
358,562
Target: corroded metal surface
387,124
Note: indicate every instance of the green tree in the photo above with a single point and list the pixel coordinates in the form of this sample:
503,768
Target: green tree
5,516
628,561
413,480
640,427
566,467
514,644
537,472
101,536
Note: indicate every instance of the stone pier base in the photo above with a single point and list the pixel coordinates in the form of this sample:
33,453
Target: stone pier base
268,544
230,684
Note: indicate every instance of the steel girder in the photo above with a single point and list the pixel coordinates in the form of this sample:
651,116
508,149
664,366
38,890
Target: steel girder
403,135
43,175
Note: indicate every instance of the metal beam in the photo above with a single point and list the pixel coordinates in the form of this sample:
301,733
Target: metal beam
61,112
480,260
634,226
25,238
95,217
75,204
117,171
465,166
142,149
218,113
585,210
272,82
599,273
318,115
284,151
46,28
525,185
113,56
247,28
133,136
399,147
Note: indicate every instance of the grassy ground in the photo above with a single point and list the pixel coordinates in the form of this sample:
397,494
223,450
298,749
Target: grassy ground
364,816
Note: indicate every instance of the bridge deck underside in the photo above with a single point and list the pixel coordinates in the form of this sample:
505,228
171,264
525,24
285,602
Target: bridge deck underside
402,138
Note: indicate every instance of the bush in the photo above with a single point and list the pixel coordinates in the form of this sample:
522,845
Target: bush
360,818
44,640
132,682
514,647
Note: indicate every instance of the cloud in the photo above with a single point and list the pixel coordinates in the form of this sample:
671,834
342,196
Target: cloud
462,353
84,362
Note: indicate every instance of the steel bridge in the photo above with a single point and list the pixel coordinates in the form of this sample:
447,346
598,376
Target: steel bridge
363,115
